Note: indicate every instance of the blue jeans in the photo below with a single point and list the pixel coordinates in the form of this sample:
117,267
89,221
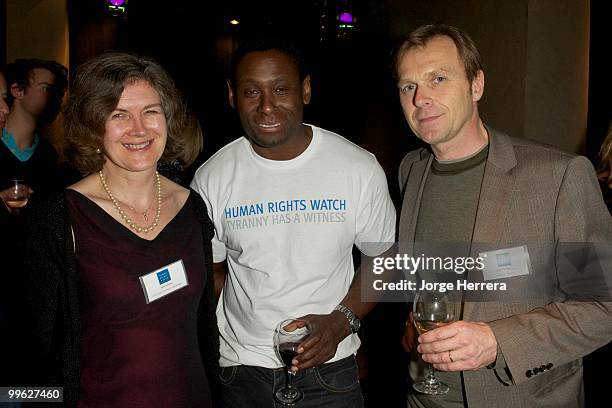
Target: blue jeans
332,385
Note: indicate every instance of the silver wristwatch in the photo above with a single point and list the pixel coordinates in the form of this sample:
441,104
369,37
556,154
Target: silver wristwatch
354,322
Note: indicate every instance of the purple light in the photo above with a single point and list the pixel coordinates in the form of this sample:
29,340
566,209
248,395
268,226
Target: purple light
346,17
116,2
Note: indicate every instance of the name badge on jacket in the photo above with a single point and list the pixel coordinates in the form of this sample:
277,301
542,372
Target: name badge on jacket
164,281
506,263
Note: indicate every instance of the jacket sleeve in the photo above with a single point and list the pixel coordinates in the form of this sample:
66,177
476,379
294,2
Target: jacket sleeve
43,265
563,331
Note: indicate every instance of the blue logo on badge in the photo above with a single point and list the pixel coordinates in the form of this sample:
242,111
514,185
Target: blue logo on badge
503,260
163,276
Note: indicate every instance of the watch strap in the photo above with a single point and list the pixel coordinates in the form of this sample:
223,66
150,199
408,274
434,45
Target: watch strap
354,322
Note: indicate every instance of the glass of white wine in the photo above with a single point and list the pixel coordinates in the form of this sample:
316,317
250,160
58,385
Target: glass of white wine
429,311
16,196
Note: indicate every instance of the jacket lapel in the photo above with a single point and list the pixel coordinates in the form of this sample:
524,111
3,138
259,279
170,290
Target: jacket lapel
495,198
413,192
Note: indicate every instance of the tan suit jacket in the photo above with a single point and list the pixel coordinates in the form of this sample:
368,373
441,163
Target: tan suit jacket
530,193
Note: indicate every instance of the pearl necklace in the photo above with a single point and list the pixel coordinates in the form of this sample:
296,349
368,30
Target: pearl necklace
125,217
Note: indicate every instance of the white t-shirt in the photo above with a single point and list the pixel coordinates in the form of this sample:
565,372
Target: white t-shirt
287,229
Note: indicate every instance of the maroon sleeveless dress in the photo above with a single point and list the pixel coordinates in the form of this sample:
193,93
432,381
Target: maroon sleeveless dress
135,354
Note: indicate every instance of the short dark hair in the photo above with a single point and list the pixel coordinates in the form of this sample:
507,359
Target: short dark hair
95,92
468,52
20,72
267,42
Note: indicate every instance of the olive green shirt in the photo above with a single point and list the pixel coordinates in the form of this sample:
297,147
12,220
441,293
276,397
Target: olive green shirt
447,215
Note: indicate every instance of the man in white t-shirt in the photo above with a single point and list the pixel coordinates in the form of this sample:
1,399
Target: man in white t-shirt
289,201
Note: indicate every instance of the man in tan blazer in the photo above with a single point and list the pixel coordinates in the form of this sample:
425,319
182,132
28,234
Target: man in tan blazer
477,185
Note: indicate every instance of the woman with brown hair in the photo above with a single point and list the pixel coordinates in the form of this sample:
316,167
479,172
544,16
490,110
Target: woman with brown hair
120,262
604,168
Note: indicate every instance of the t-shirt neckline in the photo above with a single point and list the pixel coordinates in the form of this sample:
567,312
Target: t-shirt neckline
291,163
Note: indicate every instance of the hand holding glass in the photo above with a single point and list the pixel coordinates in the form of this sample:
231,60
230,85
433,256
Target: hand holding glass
287,338
432,310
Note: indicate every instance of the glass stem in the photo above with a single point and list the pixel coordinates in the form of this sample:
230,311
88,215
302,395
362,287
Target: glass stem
432,381
290,375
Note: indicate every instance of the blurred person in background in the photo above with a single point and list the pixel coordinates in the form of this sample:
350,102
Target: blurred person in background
4,109
604,168
35,91
32,91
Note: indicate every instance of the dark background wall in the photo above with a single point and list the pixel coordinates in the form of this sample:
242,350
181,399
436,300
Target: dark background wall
37,28
543,60
2,32
600,86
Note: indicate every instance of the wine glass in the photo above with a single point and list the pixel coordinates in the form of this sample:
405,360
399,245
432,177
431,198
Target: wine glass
16,196
431,310
287,337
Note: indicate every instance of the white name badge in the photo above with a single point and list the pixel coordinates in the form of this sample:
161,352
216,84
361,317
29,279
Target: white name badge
506,263
164,281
